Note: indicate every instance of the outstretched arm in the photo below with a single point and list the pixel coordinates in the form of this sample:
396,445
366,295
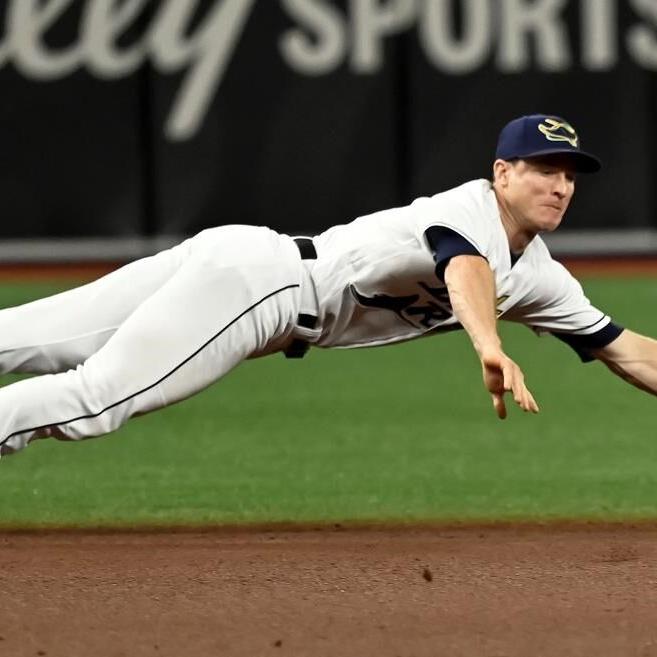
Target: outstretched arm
633,357
471,288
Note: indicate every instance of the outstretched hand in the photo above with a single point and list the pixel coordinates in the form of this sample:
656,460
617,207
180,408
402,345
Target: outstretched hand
502,375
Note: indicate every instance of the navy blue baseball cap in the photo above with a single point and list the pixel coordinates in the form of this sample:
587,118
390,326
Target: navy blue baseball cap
543,134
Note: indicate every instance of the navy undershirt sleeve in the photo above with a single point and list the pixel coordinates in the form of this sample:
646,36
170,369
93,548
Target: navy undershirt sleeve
585,344
446,243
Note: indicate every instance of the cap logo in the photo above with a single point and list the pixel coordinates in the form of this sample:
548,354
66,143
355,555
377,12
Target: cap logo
559,131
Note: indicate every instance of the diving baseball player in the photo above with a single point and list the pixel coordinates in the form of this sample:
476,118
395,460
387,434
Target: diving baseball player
165,327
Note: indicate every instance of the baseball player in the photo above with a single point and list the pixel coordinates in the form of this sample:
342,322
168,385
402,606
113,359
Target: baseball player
162,328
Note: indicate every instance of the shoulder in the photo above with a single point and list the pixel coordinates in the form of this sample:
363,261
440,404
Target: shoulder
469,209
549,275
538,254
473,195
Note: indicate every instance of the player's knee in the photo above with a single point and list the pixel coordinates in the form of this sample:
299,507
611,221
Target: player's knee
103,408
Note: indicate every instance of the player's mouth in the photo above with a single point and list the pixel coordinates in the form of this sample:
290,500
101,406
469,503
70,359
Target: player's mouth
554,206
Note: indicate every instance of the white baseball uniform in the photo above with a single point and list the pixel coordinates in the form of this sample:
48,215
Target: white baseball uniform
162,328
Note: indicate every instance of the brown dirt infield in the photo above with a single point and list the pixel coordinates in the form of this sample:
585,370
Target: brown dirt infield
487,591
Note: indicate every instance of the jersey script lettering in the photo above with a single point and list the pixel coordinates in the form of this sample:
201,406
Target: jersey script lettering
428,314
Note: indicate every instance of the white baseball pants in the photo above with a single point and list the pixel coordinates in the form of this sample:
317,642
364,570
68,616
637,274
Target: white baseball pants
147,335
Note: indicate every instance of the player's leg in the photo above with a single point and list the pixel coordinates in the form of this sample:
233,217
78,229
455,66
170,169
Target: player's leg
61,331
200,324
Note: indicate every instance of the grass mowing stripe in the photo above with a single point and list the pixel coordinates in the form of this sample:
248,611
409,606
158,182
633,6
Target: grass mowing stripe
401,433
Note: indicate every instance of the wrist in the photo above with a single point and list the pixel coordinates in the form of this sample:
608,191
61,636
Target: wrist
492,345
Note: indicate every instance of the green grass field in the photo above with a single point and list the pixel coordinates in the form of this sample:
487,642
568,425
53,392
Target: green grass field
403,433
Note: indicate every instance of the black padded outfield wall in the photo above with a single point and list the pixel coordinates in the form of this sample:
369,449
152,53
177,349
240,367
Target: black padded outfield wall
163,117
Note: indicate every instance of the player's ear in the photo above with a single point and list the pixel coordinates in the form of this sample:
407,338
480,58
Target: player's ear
501,172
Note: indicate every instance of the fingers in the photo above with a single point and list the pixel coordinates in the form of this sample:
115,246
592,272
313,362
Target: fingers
514,382
502,375
499,405
533,406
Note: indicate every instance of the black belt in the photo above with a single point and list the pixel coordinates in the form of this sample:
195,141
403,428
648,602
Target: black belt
299,347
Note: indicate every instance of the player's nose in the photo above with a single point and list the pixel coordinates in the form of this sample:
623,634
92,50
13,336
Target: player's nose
562,185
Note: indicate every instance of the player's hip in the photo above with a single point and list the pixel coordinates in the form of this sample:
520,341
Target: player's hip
268,275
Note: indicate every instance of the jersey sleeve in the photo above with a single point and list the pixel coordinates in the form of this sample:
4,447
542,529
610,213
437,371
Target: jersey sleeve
459,211
446,244
585,345
557,305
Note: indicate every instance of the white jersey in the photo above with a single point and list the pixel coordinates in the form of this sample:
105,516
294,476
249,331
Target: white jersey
376,283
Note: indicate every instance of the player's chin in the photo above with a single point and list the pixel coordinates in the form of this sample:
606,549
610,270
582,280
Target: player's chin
549,220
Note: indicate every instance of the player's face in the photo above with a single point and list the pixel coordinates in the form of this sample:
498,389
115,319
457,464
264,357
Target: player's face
538,190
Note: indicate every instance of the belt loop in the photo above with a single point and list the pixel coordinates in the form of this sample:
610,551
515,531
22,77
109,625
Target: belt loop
299,347
306,248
